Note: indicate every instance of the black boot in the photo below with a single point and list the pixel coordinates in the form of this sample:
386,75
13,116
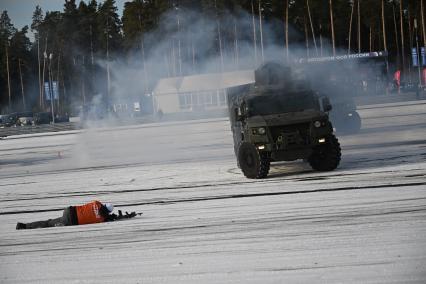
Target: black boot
20,226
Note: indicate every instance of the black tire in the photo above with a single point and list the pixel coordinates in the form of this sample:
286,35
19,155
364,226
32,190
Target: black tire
252,163
326,157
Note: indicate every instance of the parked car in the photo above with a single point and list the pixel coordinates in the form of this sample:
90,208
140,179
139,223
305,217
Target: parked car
42,118
25,118
62,118
8,120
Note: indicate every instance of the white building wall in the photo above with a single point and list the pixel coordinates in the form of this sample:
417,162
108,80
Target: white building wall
197,92
167,103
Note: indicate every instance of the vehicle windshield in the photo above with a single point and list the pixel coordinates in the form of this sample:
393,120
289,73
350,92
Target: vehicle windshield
277,103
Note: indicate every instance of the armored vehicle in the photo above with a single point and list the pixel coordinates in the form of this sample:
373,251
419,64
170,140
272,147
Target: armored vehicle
279,118
344,78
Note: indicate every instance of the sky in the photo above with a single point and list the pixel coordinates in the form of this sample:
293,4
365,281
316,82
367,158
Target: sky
21,11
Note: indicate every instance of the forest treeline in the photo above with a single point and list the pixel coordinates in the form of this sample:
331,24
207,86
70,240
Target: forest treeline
76,47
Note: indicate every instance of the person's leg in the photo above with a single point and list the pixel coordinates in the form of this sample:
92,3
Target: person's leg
45,224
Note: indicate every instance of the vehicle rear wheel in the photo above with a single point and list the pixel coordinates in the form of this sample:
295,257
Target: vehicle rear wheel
253,163
326,157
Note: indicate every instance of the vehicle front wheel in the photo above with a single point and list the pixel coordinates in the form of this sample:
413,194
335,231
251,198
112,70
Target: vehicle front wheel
253,163
326,157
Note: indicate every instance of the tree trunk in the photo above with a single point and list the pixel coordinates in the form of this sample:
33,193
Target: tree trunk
8,78
286,29
261,32
180,44
350,29
83,87
332,27
410,41
108,71
359,26
401,20
42,76
236,44
396,35
220,38
306,38
193,53
64,91
173,59
145,74
254,34
312,27
91,46
22,84
422,16
58,109
320,37
383,26
371,40
40,85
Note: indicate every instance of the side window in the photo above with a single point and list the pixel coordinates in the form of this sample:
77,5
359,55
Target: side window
185,101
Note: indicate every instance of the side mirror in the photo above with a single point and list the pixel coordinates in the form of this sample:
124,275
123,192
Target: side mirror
326,105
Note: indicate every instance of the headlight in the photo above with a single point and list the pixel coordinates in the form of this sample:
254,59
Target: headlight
317,124
261,131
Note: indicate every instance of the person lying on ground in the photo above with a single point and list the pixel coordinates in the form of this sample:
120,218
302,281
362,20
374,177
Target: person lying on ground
90,213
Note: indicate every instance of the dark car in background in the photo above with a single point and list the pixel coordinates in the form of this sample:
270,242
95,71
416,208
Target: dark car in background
8,120
62,118
42,118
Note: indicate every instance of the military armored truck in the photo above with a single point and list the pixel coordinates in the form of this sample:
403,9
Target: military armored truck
345,77
279,118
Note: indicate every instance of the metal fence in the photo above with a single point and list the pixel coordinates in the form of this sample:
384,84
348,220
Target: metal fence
31,129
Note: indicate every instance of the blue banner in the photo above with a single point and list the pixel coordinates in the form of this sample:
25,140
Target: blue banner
423,55
47,92
414,57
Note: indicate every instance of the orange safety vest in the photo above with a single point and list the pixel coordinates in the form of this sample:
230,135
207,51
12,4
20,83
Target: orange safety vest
89,213
424,76
397,77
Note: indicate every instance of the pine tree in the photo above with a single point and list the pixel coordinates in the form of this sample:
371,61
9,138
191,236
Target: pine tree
109,28
37,20
6,31
19,60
